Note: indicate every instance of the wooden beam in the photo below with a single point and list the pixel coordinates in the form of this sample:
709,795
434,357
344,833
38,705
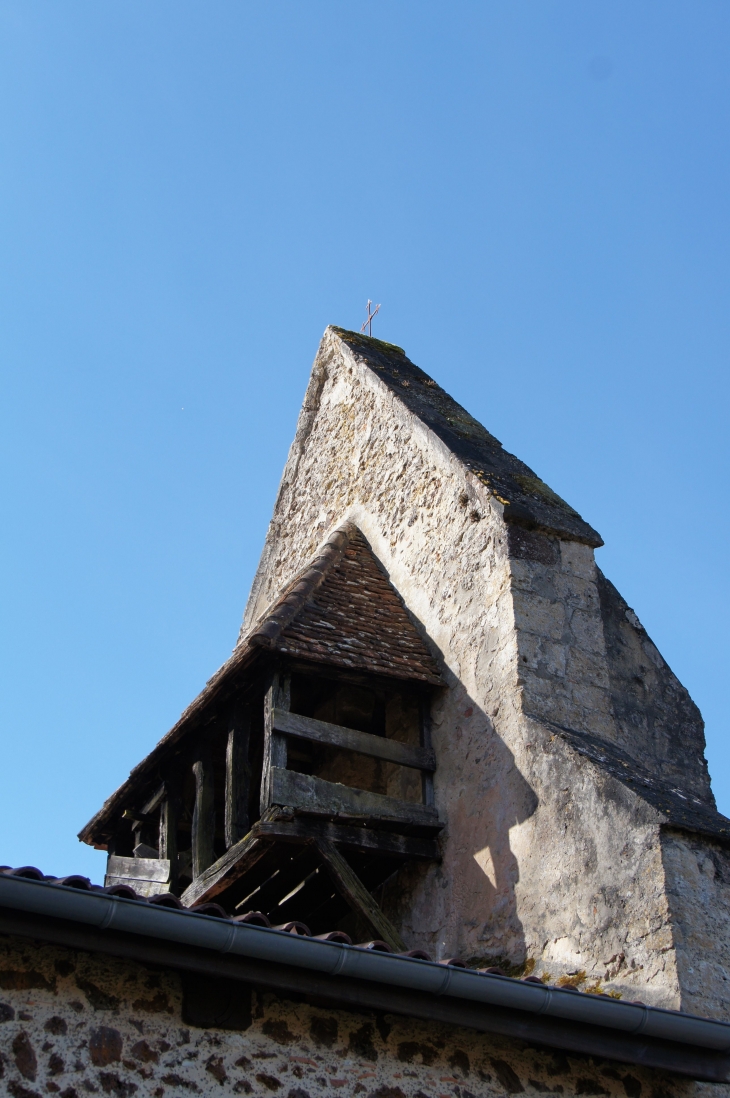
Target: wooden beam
203,830
139,869
424,720
320,798
387,843
232,865
278,696
153,802
377,747
170,809
354,891
237,775
147,876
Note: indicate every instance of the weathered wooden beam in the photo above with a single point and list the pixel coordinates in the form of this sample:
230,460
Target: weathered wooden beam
170,810
139,869
355,893
154,801
237,775
147,876
203,830
278,696
321,798
424,715
377,747
303,829
233,864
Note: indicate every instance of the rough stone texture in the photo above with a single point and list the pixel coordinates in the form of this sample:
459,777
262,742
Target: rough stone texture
655,715
74,1024
551,862
698,890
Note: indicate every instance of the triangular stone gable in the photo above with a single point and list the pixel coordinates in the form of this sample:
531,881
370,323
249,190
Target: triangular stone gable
526,498
343,610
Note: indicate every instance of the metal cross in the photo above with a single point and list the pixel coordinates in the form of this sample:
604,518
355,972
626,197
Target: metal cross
369,322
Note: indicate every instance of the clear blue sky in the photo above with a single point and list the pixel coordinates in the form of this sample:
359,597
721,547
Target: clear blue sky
537,192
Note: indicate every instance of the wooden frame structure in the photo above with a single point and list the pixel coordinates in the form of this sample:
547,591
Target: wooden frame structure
264,805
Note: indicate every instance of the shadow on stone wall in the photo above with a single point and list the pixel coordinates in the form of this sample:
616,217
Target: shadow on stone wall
468,904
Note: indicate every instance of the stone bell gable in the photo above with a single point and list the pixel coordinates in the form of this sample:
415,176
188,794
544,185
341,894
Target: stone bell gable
441,723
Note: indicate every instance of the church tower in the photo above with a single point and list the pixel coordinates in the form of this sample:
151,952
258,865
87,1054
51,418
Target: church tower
441,729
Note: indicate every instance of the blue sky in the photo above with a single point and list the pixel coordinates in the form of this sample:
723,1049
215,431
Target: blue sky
190,192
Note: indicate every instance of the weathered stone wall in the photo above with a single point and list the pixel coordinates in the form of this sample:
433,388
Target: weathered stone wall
655,717
698,892
74,1024
548,863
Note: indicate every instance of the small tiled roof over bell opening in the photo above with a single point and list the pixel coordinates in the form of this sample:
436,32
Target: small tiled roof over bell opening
343,610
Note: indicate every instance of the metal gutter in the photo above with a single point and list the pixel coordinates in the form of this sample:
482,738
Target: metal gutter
453,989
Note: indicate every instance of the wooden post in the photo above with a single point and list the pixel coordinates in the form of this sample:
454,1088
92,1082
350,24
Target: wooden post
203,814
169,816
351,888
424,709
278,696
238,774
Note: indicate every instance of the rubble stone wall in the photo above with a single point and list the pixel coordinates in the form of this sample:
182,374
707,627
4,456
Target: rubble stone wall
74,1024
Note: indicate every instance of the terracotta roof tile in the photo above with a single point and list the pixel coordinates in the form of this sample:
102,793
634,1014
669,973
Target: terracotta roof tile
343,610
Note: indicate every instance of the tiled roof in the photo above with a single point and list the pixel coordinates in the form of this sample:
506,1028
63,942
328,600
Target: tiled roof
527,499
343,610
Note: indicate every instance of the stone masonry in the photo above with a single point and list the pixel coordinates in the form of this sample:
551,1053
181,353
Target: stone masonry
74,1024
581,829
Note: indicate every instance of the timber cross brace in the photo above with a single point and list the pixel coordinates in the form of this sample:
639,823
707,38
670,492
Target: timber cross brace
303,784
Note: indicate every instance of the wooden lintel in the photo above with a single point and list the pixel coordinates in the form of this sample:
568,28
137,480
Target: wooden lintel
305,829
317,797
377,747
351,888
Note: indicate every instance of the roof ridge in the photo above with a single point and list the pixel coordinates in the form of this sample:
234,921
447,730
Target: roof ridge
282,611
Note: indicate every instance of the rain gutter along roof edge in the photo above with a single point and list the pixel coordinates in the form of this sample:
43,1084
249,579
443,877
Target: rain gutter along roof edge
695,1046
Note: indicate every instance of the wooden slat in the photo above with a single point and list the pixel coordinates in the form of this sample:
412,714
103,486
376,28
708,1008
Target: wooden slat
277,697
234,863
354,891
237,776
293,865
303,829
317,893
203,829
142,888
138,869
377,747
320,798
